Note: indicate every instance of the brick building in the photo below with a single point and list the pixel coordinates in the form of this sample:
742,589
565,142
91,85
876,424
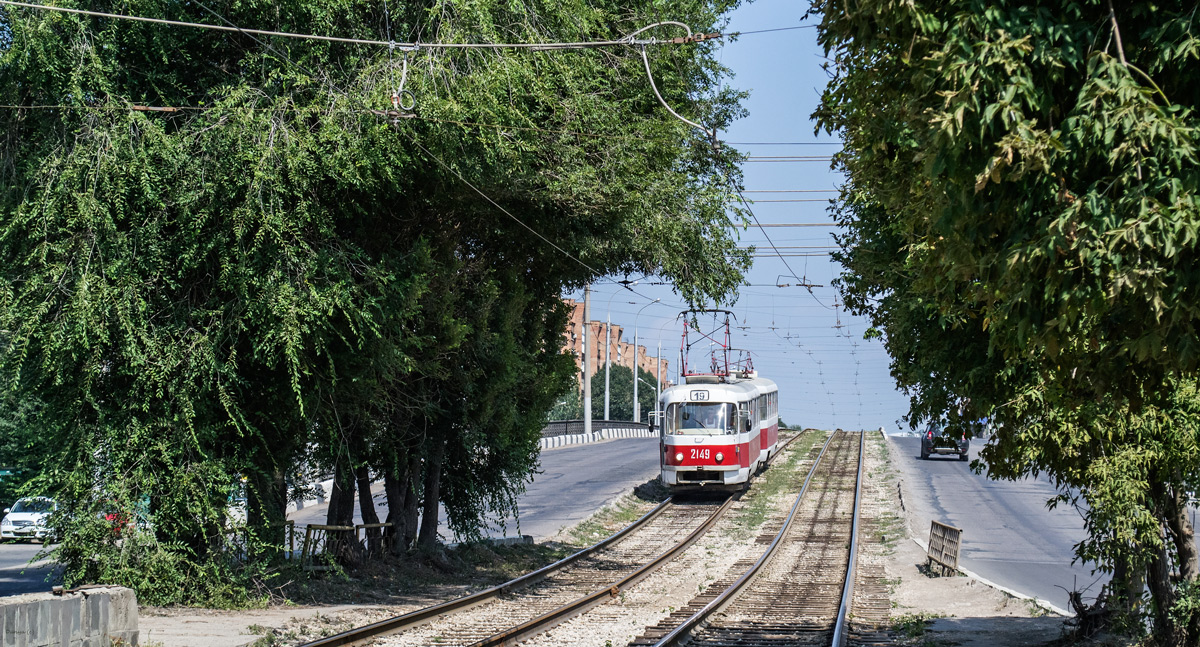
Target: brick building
622,353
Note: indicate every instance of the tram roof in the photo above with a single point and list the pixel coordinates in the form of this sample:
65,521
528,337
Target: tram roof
735,389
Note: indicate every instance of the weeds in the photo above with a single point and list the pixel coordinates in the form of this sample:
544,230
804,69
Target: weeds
623,512
913,625
776,479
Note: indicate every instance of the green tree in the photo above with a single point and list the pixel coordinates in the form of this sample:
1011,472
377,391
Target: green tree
1020,206
620,397
271,268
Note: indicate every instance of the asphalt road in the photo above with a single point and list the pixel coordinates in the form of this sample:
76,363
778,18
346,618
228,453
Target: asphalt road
574,481
1009,537
16,575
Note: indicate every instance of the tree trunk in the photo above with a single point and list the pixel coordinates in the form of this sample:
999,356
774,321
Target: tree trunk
411,498
366,506
1183,536
1129,581
1158,577
340,545
341,499
266,509
398,489
428,538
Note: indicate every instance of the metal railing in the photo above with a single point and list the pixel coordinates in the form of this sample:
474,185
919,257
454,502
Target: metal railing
570,427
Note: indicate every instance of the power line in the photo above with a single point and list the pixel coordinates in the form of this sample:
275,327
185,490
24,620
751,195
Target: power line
825,200
753,160
793,191
785,143
413,46
800,247
455,122
800,224
765,31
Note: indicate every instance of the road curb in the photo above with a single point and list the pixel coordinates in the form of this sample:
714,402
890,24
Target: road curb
1003,589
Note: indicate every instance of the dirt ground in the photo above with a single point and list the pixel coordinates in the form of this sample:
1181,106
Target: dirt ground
926,611
961,610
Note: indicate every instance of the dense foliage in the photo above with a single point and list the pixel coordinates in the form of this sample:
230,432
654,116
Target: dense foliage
1022,210
222,262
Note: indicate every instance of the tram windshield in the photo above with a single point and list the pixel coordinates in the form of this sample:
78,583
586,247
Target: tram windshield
701,418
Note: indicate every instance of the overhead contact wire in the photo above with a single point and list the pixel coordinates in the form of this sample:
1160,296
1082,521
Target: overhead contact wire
628,40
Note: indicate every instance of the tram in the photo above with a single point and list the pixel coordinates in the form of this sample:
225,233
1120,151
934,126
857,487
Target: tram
720,427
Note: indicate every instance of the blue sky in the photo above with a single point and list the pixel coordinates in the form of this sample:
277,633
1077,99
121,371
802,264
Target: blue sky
828,376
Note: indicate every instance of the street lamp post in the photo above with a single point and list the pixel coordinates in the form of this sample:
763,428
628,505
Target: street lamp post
637,405
608,346
587,362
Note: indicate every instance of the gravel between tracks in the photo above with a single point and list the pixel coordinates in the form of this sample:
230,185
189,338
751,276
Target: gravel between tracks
673,586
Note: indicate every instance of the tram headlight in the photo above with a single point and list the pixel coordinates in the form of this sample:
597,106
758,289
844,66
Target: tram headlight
679,457
720,457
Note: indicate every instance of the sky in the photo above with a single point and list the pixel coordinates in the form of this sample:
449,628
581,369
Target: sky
828,376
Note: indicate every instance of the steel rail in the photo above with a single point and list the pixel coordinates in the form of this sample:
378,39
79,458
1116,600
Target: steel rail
360,635
839,629
571,609
420,616
684,630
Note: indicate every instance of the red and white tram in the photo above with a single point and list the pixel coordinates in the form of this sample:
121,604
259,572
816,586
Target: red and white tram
718,428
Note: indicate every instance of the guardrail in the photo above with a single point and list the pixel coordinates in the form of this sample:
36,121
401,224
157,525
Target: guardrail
572,427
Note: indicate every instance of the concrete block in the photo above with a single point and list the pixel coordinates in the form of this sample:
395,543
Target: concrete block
80,619
37,633
94,620
123,615
14,625
70,613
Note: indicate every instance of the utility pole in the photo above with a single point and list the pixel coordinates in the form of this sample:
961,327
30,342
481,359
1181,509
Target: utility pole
637,407
607,360
658,378
587,360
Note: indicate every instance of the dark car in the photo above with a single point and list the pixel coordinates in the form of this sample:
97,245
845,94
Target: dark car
940,440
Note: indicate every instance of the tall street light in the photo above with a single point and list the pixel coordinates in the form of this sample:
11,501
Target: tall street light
608,343
637,405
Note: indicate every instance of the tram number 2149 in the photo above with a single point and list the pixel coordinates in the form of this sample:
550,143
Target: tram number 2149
698,453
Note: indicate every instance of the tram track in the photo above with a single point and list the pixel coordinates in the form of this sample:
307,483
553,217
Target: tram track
795,592
531,604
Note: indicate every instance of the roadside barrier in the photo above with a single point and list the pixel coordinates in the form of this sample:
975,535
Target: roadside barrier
549,442
87,615
576,427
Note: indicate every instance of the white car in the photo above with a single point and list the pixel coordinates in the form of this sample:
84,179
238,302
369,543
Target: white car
27,519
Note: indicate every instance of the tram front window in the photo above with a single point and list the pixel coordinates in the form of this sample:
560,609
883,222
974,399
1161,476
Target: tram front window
695,418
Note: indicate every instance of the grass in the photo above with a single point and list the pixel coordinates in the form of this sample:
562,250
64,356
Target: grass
777,478
608,520
910,628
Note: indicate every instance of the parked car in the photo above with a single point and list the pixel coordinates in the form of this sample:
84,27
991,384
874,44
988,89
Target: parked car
27,519
937,439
